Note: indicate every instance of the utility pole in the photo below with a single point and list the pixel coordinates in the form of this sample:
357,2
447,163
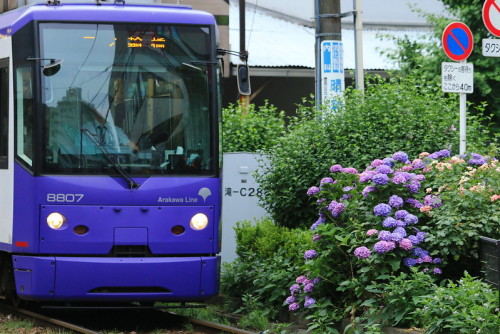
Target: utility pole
329,50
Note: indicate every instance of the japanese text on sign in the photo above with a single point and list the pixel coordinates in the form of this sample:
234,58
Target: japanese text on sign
491,47
457,77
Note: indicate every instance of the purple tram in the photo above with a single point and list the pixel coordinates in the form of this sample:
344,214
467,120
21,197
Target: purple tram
109,153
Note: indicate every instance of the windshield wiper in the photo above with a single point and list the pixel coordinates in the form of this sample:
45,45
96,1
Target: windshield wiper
109,157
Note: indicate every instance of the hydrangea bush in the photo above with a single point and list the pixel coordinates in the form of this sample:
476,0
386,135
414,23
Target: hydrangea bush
371,224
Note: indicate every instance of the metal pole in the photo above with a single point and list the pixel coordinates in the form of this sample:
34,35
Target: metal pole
328,27
358,45
463,121
242,26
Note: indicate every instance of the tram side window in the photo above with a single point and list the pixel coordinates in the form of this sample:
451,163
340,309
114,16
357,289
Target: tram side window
24,117
4,112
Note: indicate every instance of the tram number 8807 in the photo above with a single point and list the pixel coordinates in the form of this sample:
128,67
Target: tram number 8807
64,198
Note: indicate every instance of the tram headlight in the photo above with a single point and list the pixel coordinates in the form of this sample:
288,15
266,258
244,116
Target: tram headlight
199,221
56,220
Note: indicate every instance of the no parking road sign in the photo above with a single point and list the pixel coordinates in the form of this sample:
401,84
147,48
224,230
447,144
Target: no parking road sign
491,16
457,41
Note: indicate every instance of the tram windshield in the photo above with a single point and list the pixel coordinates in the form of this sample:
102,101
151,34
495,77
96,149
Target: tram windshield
133,95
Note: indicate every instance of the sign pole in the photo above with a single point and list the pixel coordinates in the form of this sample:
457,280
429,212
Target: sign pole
463,122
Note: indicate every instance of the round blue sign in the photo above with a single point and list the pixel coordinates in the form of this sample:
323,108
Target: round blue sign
457,41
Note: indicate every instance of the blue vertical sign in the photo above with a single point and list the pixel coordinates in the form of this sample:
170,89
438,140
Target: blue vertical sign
332,72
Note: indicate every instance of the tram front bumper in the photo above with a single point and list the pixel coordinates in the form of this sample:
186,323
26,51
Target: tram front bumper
116,279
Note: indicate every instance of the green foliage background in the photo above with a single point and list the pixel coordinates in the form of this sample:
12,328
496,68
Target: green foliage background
425,56
400,115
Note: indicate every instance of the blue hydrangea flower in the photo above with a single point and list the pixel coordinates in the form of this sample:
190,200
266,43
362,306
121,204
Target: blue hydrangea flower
380,179
336,208
389,222
309,254
411,219
409,262
400,214
400,156
312,191
477,159
400,230
389,162
414,186
382,209
309,301
290,300
384,236
395,201
383,169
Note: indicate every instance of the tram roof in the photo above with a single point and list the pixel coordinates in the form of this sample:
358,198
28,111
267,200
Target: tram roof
13,20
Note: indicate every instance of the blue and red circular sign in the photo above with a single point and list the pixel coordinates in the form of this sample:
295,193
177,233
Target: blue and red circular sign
457,41
491,16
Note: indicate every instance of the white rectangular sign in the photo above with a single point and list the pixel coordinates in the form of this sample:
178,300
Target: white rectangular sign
332,71
491,47
457,77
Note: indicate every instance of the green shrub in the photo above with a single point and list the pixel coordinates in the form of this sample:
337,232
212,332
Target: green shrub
247,129
470,306
400,115
268,256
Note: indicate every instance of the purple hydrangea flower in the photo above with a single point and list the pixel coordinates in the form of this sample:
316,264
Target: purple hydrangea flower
326,180
383,169
401,214
366,176
396,237
290,300
414,240
437,271
401,177
413,187
411,219
395,201
389,162
348,188
477,159
367,190
384,235
384,246
421,236
309,254
371,232
414,203
437,260
419,177
376,162
389,222
382,209
309,287
400,156
434,201
400,230
380,179
409,262
294,288
418,164
336,208
350,170
300,279
312,191
400,223
293,307
362,252
318,222
405,244
336,168
419,252
316,237
309,301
